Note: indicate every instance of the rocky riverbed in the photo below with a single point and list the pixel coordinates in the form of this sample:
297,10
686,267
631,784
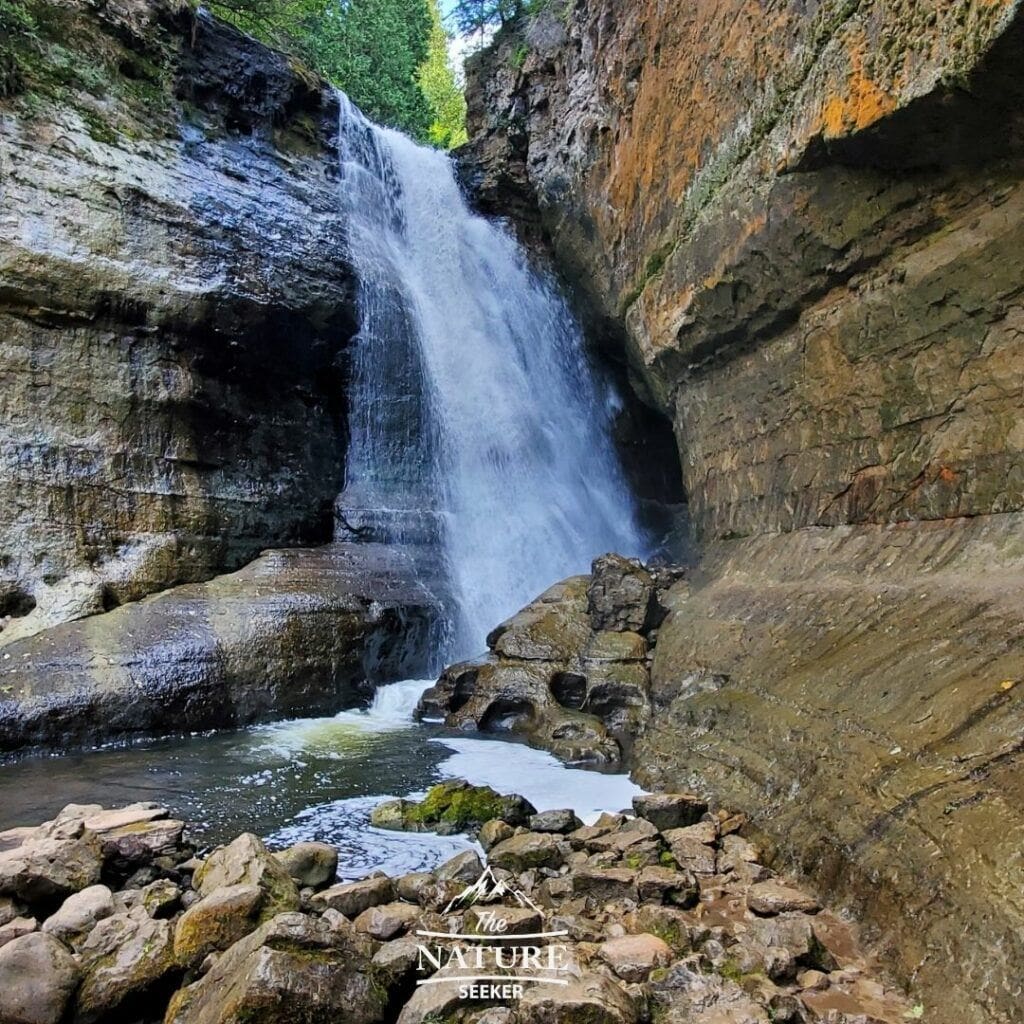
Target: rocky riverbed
663,913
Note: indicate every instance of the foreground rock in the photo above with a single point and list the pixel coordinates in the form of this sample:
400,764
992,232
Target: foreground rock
570,672
635,934
295,967
37,978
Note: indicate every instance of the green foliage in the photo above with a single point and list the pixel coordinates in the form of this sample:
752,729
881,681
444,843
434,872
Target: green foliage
389,56
474,16
373,49
281,23
15,17
437,81
17,30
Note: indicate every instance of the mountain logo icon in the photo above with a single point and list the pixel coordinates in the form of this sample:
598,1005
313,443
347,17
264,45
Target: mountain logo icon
488,889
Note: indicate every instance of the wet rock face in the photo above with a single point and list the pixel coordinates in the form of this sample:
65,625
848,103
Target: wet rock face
799,224
570,672
295,631
174,309
859,694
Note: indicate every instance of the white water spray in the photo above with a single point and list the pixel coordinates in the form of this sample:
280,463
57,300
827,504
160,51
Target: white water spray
477,422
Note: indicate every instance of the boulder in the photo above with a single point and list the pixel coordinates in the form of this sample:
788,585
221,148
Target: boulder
398,962
387,920
670,810
50,865
10,909
217,921
17,927
528,850
354,898
463,867
687,993
633,957
80,913
553,628
605,884
690,852
493,832
670,924
773,897
246,861
621,595
142,841
621,839
591,998
37,979
160,898
453,806
667,885
561,821
104,821
311,865
411,887
293,968
125,959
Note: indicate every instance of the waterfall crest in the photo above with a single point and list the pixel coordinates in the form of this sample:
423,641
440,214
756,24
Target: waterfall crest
476,423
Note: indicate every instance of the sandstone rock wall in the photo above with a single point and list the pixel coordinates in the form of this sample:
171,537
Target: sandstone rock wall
801,220
800,225
174,306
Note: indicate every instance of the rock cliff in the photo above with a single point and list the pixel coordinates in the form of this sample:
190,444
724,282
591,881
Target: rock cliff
801,221
174,306
797,224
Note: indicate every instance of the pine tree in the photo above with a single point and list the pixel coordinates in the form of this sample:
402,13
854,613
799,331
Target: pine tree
474,16
437,80
372,49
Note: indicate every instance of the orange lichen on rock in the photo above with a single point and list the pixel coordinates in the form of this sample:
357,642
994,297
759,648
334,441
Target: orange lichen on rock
863,102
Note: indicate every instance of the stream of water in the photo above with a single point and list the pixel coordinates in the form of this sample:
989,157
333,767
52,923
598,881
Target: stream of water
312,779
478,422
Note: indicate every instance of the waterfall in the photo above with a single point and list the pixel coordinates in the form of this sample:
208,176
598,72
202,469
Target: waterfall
477,424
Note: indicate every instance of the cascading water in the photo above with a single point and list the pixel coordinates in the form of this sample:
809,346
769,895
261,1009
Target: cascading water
477,422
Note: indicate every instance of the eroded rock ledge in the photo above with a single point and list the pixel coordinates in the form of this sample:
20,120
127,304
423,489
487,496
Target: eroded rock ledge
664,915
856,692
571,671
296,631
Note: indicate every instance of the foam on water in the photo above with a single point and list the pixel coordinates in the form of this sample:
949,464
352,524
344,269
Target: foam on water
537,775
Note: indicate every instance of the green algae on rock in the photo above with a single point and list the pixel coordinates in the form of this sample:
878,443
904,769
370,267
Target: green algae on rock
450,807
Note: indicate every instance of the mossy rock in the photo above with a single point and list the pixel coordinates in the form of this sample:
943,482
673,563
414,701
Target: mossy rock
454,806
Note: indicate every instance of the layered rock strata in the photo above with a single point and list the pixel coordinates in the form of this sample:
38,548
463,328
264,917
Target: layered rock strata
305,631
571,671
797,224
175,303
